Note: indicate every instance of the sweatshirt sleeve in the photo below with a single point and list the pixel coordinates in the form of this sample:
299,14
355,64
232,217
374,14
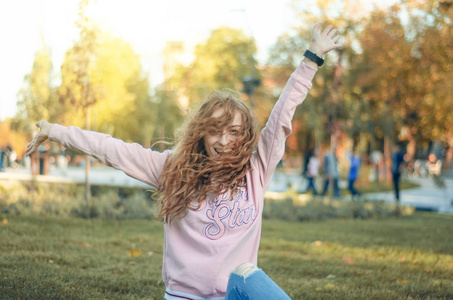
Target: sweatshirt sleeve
142,164
271,143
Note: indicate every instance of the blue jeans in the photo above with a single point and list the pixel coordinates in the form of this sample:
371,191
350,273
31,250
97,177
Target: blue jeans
396,185
336,188
311,186
247,282
351,187
2,154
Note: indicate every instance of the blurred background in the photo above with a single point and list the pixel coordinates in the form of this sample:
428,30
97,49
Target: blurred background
132,68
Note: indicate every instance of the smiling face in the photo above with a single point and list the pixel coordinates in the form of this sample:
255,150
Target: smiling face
222,140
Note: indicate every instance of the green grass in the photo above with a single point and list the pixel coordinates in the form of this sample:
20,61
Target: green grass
68,258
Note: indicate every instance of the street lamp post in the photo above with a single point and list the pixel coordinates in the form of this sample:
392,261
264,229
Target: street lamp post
249,85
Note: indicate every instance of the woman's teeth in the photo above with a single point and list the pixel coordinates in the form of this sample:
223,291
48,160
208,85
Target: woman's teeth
222,151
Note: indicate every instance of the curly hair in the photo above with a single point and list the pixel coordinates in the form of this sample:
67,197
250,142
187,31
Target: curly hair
190,174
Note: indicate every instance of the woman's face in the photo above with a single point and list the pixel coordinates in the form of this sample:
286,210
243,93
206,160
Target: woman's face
221,141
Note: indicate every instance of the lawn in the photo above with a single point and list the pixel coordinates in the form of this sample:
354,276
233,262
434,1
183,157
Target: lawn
70,258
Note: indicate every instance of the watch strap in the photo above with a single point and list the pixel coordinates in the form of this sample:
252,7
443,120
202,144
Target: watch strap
314,58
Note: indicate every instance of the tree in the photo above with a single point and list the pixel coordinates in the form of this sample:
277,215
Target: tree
324,111
103,73
167,114
222,61
123,88
16,138
434,74
78,92
139,125
37,99
404,72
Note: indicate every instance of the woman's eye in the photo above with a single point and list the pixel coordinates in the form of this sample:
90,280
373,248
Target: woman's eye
215,132
234,132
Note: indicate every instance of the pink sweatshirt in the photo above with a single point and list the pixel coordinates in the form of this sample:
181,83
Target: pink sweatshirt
201,249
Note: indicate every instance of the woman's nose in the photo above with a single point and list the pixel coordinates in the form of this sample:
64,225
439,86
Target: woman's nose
224,139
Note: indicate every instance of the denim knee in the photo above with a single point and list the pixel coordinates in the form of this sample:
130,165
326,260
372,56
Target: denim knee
248,282
245,269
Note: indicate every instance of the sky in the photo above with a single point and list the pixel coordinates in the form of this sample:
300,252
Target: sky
25,25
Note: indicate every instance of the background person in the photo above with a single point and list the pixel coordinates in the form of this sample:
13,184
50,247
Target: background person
397,169
354,166
331,170
2,158
312,171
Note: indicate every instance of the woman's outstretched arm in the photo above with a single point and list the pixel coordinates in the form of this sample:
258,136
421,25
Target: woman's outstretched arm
142,164
271,144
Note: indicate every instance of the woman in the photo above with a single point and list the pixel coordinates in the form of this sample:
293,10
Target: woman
212,184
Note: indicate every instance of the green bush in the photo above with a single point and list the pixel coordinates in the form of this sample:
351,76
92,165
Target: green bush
134,203
69,200
315,210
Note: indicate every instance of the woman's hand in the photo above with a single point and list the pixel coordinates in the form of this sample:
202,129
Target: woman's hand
40,138
325,41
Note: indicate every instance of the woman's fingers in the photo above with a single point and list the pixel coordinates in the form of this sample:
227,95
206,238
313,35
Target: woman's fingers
327,30
32,146
332,33
316,28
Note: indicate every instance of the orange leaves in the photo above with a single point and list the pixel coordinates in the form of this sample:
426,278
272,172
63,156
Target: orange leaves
18,139
319,243
348,260
85,244
134,253
327,287
402,259
137,253
4,222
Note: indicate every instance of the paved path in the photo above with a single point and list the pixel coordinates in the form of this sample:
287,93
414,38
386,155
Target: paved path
427,197
97,176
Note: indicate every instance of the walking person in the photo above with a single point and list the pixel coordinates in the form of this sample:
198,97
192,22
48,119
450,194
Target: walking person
312,171
354,160
62,161
212,184
397,169
2,155
8,151
330,170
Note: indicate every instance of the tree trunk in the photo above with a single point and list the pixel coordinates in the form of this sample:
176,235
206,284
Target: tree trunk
449,154
411,146
387,161
87,163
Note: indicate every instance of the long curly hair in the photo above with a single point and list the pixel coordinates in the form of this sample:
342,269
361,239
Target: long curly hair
190,174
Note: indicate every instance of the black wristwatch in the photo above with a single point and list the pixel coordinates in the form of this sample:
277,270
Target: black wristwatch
314,58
